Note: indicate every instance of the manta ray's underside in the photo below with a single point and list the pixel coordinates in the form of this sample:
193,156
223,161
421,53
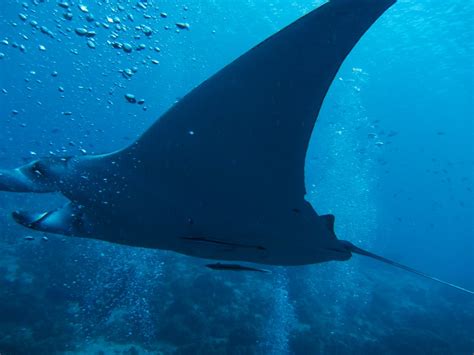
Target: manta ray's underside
221,174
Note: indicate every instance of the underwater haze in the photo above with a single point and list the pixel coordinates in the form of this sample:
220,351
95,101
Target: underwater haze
391,156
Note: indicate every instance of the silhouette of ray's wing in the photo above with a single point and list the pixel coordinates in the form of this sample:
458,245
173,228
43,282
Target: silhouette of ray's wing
245,131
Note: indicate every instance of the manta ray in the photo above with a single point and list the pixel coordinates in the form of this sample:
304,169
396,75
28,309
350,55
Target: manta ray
220,175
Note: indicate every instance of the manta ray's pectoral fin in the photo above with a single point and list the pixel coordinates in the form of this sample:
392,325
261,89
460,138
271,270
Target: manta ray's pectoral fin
70,220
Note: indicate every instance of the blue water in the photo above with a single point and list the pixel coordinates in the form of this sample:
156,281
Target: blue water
392,156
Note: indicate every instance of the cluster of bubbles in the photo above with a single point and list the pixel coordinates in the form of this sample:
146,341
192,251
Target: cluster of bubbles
276,333
120,293
129,29
348,180
61,43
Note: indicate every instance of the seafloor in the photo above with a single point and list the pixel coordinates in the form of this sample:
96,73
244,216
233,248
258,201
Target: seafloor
106,299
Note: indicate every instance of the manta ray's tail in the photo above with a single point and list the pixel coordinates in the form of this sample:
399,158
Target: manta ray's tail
360,251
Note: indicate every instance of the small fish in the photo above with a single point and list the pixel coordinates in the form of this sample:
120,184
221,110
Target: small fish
234,267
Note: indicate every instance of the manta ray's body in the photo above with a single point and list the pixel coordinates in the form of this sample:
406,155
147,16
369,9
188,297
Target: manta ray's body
221,174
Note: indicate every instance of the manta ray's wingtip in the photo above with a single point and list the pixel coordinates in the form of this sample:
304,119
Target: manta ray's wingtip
386,3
